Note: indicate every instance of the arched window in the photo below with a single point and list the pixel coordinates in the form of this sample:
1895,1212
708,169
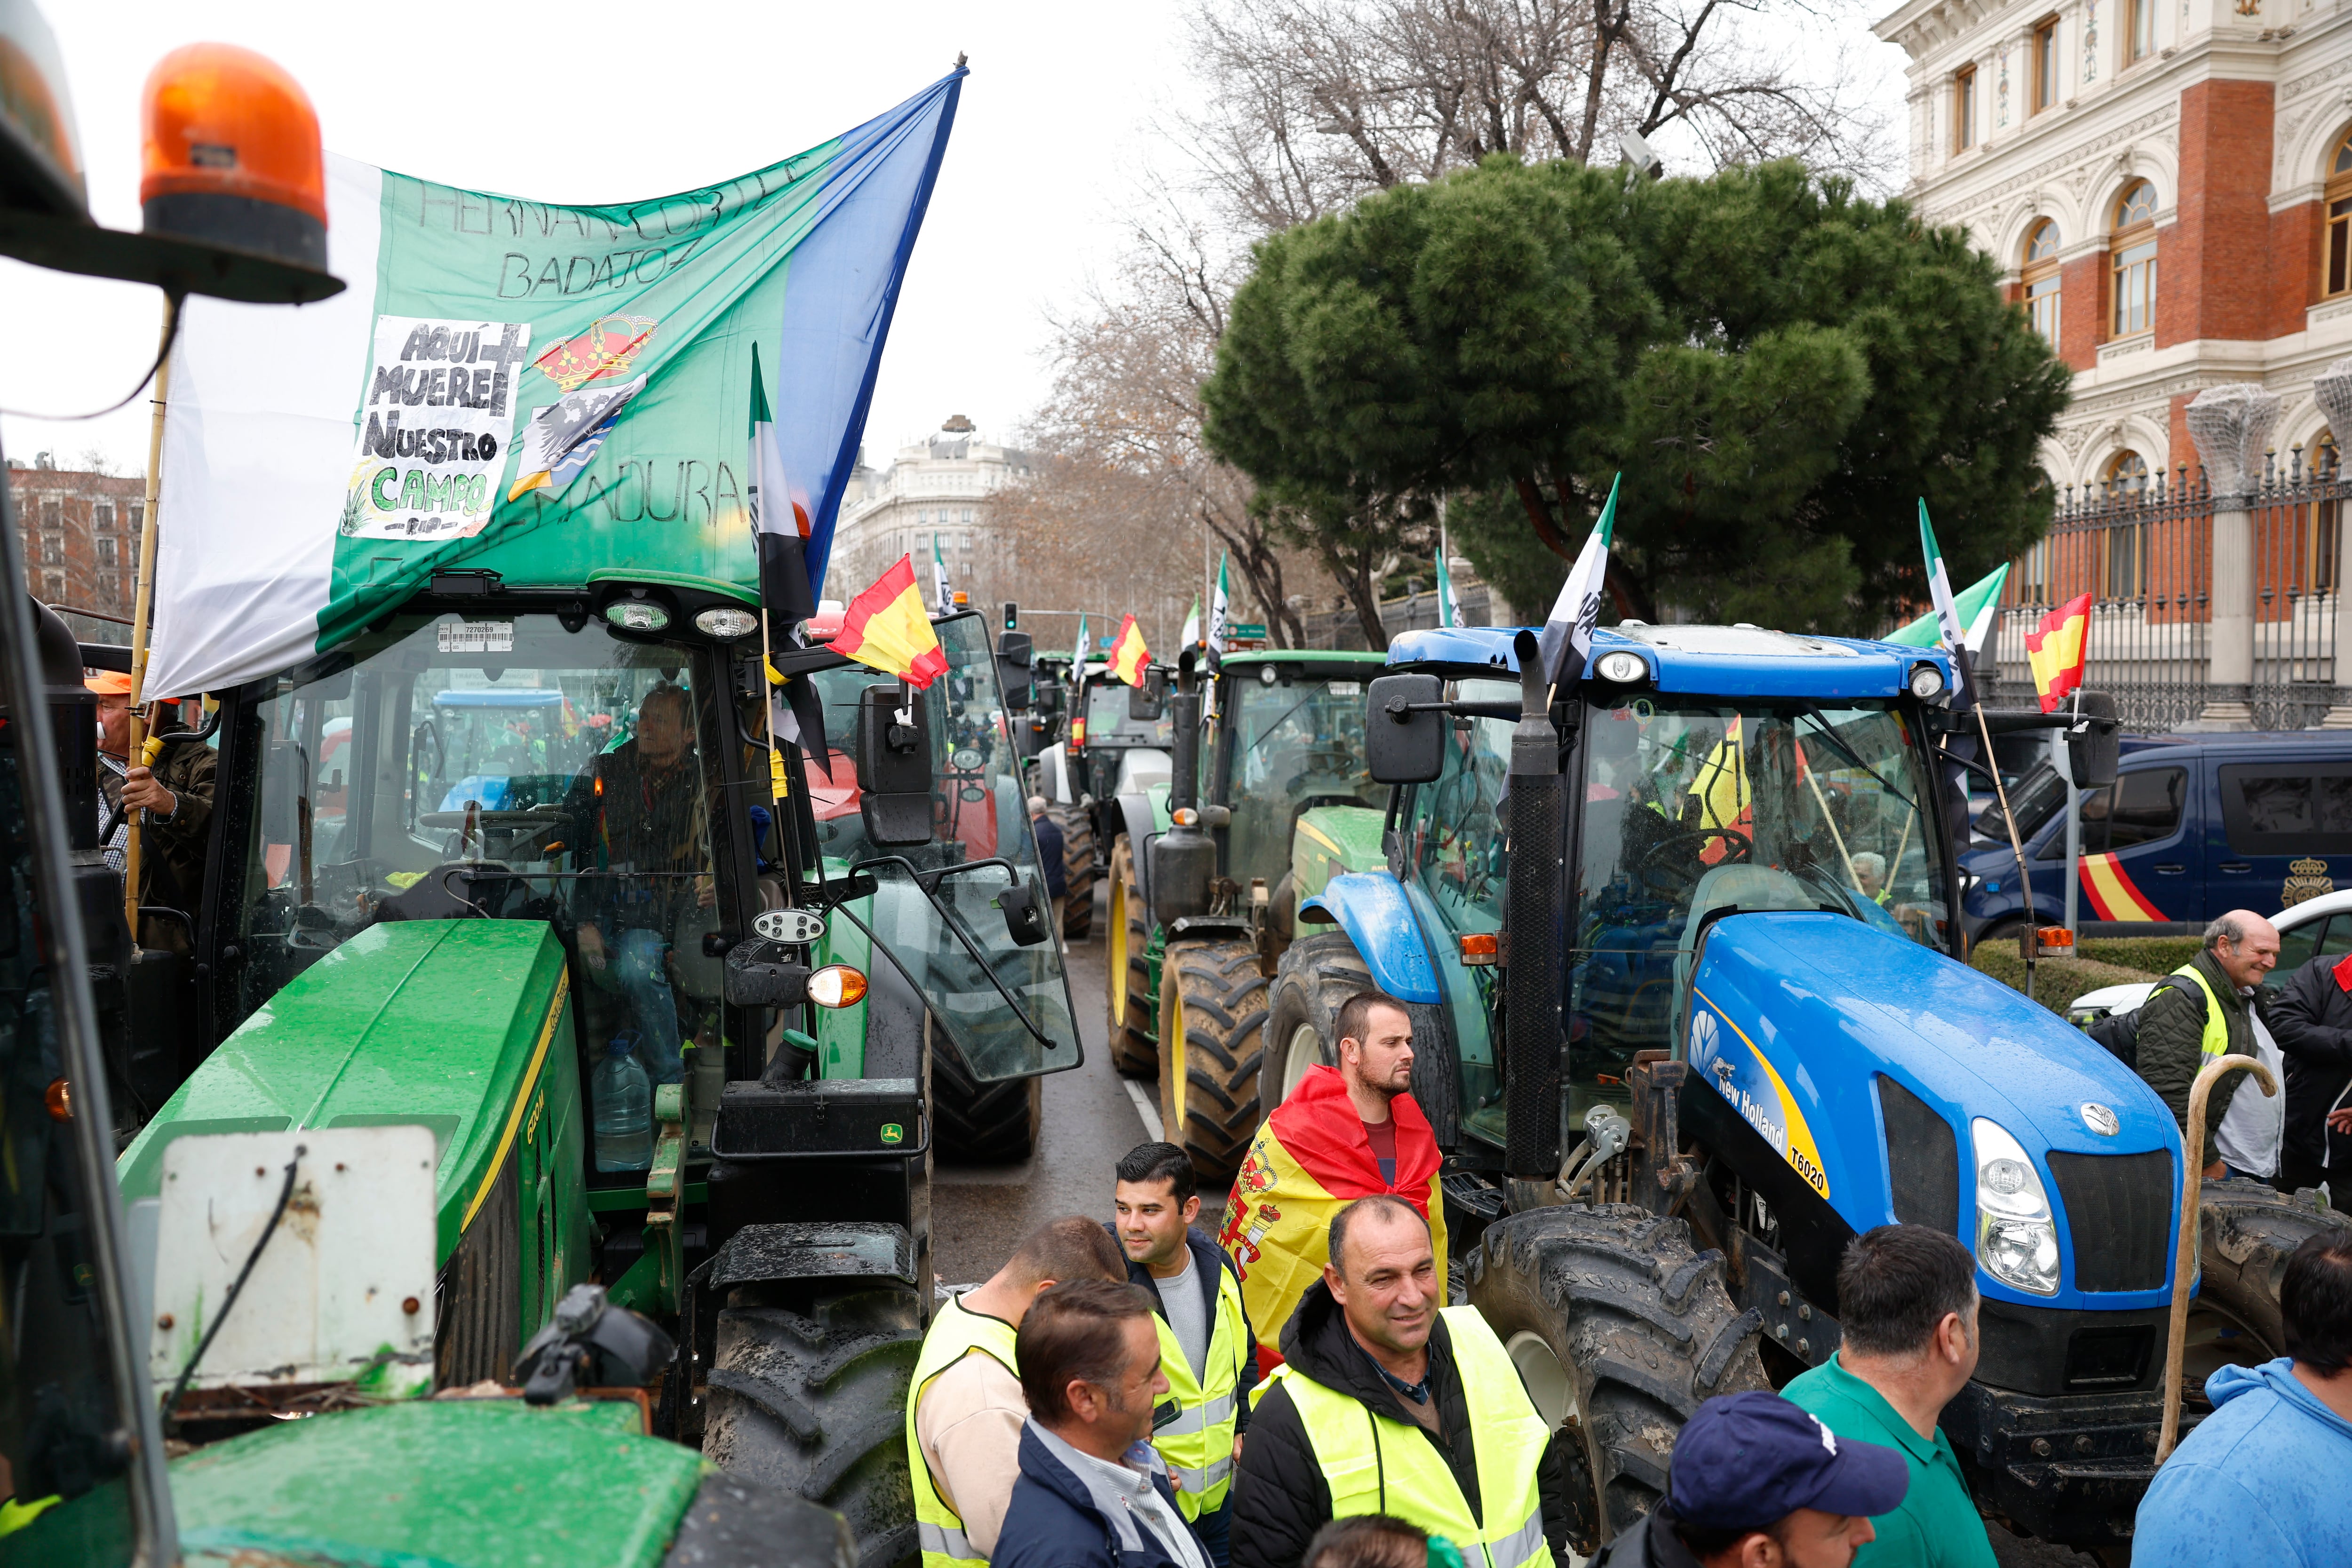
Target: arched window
2041,277
2127,473
2339,218
2131,252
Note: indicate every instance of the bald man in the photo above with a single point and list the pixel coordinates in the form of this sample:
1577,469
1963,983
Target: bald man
2203,1012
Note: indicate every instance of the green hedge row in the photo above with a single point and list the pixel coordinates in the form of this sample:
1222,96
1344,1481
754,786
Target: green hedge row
2152,954
2057,981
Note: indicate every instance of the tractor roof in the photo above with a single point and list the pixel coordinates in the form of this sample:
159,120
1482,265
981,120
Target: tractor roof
1306,656
1729,661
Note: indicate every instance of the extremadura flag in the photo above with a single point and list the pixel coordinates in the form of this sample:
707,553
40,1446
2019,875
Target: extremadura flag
552,393
1309,1160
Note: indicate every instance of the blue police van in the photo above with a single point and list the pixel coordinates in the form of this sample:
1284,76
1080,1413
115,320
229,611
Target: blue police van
2194,825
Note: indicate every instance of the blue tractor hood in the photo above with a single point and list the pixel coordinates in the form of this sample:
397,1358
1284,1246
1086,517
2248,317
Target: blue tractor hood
1794,1018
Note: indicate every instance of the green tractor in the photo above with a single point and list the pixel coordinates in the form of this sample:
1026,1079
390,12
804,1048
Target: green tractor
1115,744
1232,848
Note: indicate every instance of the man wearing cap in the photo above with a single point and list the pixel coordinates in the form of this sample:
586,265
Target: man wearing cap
176,794
1907,1308
1758,1483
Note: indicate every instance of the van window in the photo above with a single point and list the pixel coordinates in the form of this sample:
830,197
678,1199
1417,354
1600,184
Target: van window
2138,808
2269,808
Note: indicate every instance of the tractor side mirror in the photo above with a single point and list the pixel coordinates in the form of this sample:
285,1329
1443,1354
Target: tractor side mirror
2095,748
1401,745
894,766
1146,703
1024,913
1015,656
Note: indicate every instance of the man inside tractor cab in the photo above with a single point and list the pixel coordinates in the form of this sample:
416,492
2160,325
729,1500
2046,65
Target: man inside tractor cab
645,798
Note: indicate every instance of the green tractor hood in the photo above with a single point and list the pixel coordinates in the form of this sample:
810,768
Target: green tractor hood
461,1026
469,1483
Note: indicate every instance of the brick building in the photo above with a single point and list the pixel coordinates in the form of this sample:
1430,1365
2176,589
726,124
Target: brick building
2168,184
80,533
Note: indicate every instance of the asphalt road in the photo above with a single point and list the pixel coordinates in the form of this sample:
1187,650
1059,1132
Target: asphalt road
979,1213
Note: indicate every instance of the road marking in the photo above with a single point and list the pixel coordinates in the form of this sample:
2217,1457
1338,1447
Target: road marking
1145,1109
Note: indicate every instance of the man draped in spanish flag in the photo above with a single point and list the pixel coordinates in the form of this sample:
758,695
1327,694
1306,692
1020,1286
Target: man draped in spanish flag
1346,1132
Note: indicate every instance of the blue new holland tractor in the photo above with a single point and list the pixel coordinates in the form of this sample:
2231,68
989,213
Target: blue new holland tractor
1683,954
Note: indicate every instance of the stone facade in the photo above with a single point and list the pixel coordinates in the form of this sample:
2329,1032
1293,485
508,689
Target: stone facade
942,485
80,534
2234,113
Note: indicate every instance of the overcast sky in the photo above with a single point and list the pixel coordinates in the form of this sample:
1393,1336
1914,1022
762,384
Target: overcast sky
593,102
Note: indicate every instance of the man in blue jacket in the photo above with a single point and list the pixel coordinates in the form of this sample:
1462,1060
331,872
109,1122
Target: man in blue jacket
1093,1491
2262,1479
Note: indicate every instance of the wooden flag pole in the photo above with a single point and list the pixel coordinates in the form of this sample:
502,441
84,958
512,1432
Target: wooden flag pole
134,754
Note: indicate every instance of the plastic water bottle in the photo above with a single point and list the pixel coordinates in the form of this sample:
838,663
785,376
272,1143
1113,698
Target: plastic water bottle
624,1096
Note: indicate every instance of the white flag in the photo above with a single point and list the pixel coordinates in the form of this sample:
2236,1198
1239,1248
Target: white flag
1567,639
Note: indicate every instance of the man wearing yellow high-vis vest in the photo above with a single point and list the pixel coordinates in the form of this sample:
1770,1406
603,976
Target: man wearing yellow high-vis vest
964,1410
1384,1404
2198,1014
1205,1344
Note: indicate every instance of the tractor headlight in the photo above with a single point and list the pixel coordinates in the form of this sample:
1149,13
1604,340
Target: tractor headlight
1623,667
2017,1240
726,625
1927,682
836,985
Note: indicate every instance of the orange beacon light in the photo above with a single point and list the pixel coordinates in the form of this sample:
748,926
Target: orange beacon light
230,155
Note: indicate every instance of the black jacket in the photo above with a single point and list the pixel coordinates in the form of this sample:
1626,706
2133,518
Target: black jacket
2311,1023
1053,1520
1207,1258
1280,1498
1650,1543
2172,1042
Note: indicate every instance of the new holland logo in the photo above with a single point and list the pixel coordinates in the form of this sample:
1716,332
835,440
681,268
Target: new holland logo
2100,1119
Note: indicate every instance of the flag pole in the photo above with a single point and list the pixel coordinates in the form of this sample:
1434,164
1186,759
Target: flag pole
134,754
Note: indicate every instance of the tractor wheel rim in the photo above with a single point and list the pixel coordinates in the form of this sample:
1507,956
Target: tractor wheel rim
1549,1387
1171,1064
1304,1051
1118,956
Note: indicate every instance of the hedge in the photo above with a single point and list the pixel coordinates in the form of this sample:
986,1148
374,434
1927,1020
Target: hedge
2057,981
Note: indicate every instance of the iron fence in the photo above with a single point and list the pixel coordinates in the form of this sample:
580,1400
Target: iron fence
2144,551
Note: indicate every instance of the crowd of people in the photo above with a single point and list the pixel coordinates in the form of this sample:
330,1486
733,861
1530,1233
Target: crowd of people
1135,1393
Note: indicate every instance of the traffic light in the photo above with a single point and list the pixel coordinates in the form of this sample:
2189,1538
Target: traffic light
1012,617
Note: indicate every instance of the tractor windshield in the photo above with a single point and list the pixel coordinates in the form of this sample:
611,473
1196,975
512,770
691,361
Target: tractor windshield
508,767
1109,726
1297,744
979,815
1693,807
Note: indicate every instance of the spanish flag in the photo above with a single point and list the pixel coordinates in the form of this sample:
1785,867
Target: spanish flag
886,627
2057,649
1127,654
1309,1160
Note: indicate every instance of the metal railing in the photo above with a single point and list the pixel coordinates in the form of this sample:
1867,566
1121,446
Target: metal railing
2145,553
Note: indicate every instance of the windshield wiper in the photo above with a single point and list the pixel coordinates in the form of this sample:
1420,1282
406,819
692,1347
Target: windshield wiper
1837,742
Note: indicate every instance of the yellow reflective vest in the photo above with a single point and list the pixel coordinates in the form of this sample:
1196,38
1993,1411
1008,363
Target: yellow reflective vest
1375,1464
1197,1443
2215,1045
955,1333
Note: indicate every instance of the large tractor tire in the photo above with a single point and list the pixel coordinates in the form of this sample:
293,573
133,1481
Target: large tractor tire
979,1123
815,1403
1077,870
1212,1026
2246,1231
1317,973
1133,1050
1620,1328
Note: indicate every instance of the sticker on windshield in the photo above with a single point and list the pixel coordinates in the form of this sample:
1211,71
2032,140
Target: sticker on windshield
1346,689
477,636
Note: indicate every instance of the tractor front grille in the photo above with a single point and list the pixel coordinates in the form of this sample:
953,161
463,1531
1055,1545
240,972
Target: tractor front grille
2119,1210
1923,1159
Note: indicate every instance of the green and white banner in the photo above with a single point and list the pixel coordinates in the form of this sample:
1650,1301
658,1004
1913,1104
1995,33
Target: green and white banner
555,394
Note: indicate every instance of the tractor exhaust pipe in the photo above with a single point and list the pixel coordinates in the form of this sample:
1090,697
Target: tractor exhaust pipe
1183,858
1532,924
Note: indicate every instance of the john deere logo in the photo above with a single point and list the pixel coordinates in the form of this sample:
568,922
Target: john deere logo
893,1133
